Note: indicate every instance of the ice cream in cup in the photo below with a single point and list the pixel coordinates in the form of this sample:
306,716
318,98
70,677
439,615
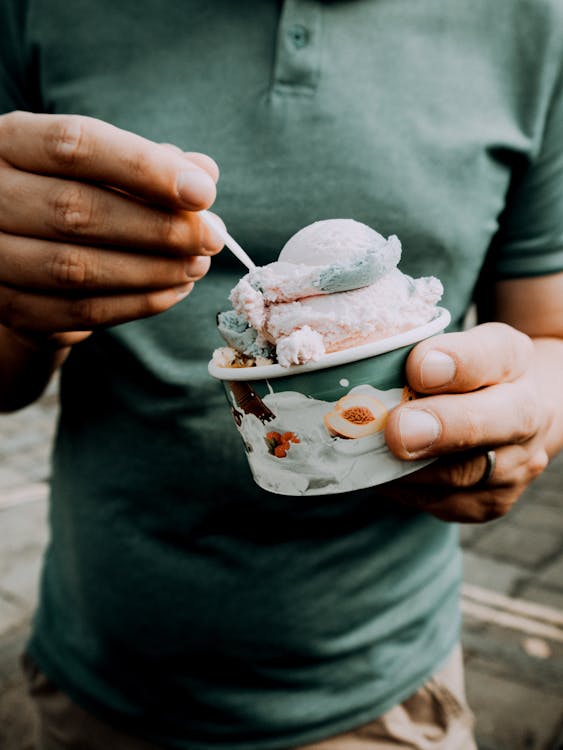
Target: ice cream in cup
317,345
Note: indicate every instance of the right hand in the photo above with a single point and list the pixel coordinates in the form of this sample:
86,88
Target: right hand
98,226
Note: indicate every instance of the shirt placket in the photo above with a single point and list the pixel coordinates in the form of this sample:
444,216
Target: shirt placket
297,63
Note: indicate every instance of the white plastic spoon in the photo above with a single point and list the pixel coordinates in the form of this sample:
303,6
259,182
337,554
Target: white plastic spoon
232,244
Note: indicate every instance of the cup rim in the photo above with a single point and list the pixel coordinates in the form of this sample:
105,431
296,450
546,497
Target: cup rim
266,372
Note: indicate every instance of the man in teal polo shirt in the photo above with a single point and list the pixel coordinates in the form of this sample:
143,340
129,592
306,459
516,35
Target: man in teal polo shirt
181,606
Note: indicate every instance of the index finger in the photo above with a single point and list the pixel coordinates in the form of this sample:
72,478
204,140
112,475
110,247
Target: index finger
461,362
88,149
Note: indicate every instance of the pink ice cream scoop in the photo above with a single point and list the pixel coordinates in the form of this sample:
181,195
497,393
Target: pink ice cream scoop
336,285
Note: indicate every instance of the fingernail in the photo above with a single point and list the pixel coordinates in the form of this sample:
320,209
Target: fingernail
197,267
212,236
195,187
418,429
184,291
437,369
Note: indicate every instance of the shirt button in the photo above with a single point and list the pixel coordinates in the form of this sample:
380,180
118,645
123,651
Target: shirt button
299,36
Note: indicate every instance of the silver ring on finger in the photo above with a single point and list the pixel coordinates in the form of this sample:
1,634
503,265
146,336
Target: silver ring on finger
490,466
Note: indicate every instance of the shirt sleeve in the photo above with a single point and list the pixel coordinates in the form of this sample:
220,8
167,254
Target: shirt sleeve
531,230
17,77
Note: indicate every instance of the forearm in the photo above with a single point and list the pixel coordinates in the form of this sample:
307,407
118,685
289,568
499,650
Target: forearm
25,370
535,306
548,368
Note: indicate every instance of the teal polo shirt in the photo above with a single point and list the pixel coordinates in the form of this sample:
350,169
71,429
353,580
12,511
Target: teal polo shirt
178,600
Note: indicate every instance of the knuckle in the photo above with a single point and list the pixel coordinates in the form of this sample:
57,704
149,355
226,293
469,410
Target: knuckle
528,412
496,508
466,473
502,329
66,141
13,192
471,429
493,506
519,351
72,210
523,344
538,463
68,267
172,232
530,425
141,164
9,121
507,356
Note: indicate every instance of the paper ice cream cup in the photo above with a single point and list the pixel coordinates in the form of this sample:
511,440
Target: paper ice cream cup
317,428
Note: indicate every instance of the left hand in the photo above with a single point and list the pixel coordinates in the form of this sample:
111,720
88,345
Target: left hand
481,393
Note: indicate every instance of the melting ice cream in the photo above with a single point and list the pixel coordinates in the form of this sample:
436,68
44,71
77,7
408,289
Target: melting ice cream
335,285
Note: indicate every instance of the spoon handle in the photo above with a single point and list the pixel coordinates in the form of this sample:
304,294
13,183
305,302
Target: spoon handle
232,244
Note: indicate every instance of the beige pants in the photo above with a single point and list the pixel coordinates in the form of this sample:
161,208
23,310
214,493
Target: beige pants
436,717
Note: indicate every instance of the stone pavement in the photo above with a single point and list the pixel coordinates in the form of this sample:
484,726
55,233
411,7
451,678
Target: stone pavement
512,598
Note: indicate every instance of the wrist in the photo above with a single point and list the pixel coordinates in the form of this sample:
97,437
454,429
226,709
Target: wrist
547,366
